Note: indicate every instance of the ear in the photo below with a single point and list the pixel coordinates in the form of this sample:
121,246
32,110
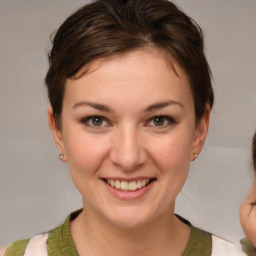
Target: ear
200,133
57,134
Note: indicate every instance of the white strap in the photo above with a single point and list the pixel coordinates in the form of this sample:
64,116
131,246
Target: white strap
37,245
222,247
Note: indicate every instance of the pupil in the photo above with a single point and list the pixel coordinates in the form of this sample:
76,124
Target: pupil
158,121
97,121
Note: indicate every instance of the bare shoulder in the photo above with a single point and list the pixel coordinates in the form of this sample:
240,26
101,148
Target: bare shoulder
2,250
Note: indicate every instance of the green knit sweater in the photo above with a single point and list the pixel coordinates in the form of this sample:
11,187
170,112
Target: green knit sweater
59,242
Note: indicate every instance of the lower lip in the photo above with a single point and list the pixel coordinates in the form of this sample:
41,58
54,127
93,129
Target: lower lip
129,195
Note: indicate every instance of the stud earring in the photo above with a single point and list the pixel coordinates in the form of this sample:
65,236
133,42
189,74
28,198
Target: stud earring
61,156
195,156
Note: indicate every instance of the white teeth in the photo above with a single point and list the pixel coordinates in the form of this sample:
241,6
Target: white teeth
139,185
117,184
132,185
124,185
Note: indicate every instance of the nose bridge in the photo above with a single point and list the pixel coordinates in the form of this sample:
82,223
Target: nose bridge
128,151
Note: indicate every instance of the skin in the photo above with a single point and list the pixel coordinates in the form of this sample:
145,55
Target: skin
130,91
2,251
248,214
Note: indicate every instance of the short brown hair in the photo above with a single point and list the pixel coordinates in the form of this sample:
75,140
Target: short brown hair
105,28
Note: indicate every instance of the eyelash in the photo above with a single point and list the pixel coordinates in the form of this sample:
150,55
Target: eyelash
167,121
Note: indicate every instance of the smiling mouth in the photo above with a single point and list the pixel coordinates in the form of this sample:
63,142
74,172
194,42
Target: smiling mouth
129,186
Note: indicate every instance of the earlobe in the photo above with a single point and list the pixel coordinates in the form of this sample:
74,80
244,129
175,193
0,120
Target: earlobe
57,134
200,133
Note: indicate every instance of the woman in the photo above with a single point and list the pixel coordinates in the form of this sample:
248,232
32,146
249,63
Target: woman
130,93
248,211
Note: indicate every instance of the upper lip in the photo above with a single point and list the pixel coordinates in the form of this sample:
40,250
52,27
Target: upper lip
129,179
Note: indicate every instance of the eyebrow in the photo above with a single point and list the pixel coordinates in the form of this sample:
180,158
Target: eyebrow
101,107
163,104
93,105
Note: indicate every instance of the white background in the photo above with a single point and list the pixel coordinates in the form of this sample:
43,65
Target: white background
36,192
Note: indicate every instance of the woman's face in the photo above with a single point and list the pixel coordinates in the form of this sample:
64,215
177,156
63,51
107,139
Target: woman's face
128,135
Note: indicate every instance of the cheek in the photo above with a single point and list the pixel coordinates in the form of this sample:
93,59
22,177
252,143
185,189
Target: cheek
172,156
85,153
172,153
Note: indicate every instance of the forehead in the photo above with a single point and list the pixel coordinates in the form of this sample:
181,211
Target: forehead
147,71
149,51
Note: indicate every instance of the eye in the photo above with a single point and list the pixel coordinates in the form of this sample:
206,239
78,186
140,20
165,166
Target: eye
161,121
95,121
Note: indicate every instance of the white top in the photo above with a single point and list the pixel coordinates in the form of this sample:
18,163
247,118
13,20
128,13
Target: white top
222,247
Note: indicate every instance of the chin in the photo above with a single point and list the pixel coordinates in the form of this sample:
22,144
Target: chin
129,223
130,218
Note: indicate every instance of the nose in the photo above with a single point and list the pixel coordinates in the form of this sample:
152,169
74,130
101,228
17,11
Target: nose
127,151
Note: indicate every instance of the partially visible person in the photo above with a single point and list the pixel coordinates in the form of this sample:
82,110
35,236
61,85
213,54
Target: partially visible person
248,210
2,250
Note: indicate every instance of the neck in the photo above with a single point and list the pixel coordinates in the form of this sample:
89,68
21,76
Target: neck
94,235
